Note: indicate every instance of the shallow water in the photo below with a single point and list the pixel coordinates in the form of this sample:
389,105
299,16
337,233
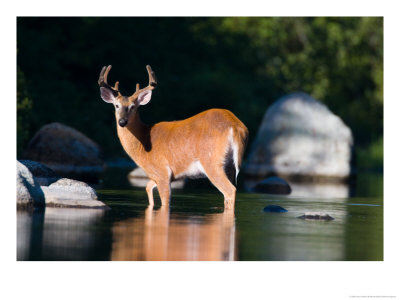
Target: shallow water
196,227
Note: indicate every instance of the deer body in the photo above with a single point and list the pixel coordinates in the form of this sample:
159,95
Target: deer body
209,144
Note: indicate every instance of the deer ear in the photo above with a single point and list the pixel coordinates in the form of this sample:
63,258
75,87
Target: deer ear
107,95
144,97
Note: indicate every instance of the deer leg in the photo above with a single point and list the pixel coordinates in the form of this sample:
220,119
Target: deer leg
149,189
164,189
218,178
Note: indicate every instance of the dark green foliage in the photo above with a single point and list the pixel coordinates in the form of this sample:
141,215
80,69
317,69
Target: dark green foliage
242,64
24,114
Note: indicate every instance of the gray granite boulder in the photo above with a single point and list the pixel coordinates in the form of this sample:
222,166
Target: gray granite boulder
71,193
300,137
66,151
29,192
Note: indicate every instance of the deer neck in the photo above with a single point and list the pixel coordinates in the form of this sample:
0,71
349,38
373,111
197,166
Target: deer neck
135,137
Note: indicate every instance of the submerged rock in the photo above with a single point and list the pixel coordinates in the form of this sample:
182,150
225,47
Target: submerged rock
274,209
300,137
316,216
272,185
66,151
29,192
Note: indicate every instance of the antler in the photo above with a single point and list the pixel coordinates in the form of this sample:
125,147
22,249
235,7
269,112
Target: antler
152,83
103,81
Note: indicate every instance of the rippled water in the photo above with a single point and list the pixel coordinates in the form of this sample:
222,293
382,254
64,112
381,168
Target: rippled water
196,227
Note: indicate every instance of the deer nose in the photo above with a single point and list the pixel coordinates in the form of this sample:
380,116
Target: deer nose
122,122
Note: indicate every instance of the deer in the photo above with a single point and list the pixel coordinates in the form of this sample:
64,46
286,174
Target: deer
209,145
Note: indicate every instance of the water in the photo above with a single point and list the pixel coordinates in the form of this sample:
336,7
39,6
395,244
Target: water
196,227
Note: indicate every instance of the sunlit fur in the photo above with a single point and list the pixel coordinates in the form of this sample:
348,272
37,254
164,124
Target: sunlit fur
196,145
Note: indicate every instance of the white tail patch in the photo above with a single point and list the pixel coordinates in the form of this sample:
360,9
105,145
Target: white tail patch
235,148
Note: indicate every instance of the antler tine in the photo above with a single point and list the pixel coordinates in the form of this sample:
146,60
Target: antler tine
106,73
152,82
152,77
103,81
101,77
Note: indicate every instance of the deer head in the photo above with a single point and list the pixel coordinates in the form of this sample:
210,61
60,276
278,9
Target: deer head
124,106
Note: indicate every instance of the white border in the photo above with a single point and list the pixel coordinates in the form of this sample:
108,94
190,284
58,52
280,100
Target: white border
241,280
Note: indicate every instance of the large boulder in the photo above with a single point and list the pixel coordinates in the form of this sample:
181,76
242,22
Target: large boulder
66,151
29,192
300,137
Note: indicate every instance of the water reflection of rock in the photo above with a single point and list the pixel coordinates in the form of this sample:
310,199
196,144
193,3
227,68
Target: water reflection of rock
59,234
164,236
25,235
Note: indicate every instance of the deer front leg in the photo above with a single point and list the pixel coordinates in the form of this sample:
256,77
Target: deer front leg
164,189
149,189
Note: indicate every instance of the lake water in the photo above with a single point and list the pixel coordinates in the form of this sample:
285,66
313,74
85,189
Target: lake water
196,227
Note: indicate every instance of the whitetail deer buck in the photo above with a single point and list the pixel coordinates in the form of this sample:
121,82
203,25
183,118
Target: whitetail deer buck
209,144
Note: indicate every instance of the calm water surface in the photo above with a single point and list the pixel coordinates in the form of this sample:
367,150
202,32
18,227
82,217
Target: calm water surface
196,227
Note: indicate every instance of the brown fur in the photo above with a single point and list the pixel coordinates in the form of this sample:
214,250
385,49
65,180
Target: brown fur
166,149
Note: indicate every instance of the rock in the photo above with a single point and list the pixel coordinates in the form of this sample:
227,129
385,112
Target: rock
300,137
66,151
29,192
138,178
274,208
60,192
43,175
316,216
71,193
272,185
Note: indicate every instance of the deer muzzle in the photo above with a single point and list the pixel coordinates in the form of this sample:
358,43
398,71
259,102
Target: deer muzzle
122,122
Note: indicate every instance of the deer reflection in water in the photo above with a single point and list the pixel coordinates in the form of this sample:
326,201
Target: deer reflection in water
162,235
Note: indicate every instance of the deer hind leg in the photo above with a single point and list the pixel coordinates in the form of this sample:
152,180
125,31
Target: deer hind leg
230,166
164,190
218,177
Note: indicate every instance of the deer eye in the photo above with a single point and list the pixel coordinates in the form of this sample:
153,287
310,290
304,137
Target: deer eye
116,105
